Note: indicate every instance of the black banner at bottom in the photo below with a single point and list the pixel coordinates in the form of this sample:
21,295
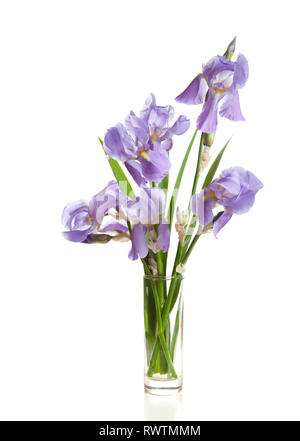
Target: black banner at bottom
91,430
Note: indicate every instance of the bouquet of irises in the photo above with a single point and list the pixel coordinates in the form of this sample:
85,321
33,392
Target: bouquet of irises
138,153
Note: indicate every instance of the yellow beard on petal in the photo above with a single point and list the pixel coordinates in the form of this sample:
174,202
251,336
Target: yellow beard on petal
145,155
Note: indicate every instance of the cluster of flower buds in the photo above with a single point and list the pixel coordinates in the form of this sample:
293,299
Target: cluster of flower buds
153,266
182,219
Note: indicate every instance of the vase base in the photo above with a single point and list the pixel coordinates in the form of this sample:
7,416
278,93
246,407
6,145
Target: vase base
162,386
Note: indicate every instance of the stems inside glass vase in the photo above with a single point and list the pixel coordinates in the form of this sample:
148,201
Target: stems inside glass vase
163,327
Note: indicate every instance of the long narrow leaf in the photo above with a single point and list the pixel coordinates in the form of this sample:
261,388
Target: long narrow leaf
178,180
212,171
120,176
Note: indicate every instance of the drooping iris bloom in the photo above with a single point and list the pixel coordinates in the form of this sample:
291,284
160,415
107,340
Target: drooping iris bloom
145,211
143,142
81,219
220,80
77,221
235,190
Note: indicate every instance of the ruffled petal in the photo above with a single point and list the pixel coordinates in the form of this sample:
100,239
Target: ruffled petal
167,144
119,144
76,235
180,126
195,92
163,238
207,120
158,166
71,210
231,108
137,128
139,246
221,222
202,207
115,226
241,72
135,169
159,119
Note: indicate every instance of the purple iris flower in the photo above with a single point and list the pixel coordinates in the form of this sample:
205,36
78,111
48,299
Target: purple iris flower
110,197
143,142
235,190
81,219
77,221
220,80
146,211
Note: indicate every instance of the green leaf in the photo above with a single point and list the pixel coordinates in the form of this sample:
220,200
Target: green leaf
178,180
120,176
164,183
212,171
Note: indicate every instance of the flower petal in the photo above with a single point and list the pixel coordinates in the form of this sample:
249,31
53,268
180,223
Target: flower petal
137,127
180,126
195,92
163,238
221,222
207,120
139,246
115,226
119,144
71,210
76,235
158,166
201,206
231,108
135,169
241,72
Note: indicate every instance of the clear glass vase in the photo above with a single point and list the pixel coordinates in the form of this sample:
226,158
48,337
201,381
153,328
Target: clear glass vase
163,320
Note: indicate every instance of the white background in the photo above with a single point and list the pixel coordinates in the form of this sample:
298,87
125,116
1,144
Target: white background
71,329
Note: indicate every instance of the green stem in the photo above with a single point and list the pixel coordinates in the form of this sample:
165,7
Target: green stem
191,247
166,310
197,174
176,330
160,330
178,181
193,221
160,270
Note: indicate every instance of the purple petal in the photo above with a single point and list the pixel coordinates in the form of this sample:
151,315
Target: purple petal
118,144
235,189
71,210
115,226
150,103
201,206
159,118
180,126
229,183
135,169
148,207
231,107
109,197
163,238
137,128
158,166
167,144
195,92
241,72
218,66
139,246
207,120
76,235
242,203
221,222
